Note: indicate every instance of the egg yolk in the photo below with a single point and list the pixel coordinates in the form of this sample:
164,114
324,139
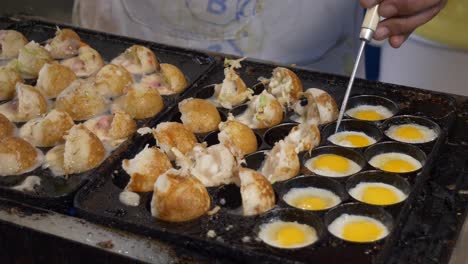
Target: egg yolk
311,203
379,196
289,236
409,132
356,140
332,162
362,231
368,115
398,165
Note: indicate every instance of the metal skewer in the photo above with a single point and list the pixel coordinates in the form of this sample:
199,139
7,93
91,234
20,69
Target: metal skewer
368,28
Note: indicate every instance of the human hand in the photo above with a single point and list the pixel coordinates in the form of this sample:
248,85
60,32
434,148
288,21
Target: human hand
402,17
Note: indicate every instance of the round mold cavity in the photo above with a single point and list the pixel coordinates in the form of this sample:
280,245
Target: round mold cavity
258,88
411,120
372,100
397,147
255,160
337,150
205,92
359,209
350,125
376,176
228,196
120,178
318,182
293,216
212,139
278,133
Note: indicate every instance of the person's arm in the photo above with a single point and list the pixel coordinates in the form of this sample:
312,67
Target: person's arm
402,17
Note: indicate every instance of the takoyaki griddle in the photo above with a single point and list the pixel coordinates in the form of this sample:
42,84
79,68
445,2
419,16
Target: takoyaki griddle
229,234
56,192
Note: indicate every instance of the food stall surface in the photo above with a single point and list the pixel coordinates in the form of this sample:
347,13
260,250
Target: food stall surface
31,235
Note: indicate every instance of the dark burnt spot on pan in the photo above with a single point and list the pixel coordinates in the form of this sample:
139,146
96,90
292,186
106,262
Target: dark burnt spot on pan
255,160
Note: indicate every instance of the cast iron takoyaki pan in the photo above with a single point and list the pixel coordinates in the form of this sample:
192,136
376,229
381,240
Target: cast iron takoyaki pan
230,234
56,192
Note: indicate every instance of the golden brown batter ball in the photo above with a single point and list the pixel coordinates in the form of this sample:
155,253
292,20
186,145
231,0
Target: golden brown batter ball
139,102
170,135
81,100
179,197
47,131
113,80
145,168
256,191
18,156
239,138
53,79
198,115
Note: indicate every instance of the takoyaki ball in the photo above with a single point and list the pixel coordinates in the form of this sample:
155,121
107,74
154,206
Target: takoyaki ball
326,105
113,80
213,166
28,103
198,115
87,63
285,85
138,60
112,130
238,137
179,197
83,150
256,192
304,136
8,80
232,91
55,160
11,42
7,129
18,156
64,45
263,111
145,168
170,135
47,131
81,100
31,58
169,80
139,102
306,110
281,162
53,79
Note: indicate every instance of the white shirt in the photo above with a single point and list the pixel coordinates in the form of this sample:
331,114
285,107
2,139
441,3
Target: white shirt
318,34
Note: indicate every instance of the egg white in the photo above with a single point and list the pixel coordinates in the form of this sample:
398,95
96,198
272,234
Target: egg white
353,168
298,193
428,134
337,226
381,110
268,233
338,138
357,191
379,160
